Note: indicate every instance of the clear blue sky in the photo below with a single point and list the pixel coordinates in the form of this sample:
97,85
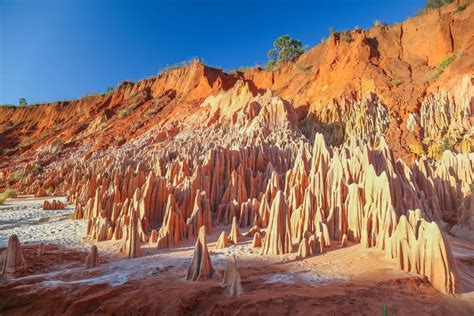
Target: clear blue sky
53,50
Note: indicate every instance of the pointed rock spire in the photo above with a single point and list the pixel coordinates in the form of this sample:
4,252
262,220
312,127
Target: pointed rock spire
92,259
13,261
201,266
232,278
278,235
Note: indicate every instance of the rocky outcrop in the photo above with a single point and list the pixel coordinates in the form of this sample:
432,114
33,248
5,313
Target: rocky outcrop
53,205
131,242
232,278
222,241
201,266
13,262
92,259
420,247
278,234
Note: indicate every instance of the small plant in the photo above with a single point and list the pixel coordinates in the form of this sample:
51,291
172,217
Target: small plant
442,66
37,170
396,82
22,102
435,4
179,65
50,191
331,30
242,68
378,23
110,90
17,175
347,36
8,193
8,105
417,149
462,7
304,68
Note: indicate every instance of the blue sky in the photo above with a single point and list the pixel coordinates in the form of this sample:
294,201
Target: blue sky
54,50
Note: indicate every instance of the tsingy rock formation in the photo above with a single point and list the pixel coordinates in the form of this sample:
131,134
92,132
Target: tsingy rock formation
13,264
92,259
201,266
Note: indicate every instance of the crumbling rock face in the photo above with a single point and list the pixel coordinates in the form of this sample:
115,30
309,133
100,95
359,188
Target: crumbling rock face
13,262
201,266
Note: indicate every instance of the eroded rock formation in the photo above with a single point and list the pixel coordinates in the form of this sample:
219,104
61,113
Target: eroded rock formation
201,266
13,262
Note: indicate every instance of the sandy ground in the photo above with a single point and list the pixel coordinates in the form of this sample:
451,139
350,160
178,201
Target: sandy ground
25,217
349,280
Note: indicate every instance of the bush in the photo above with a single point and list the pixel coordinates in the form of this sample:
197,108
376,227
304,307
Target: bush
378,23
8,193
37,170
434,4
462,7
396,82
242,68
8,105
22,102
442,66
17,175
110,90
347,36
179,65
284,49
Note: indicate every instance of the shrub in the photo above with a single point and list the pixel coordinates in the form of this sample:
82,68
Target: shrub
285,48
417,149
8,193
378,23
396,82
270,65
243,68
433,76
110,90
22,102
304,68
37,170
8,105
434,4
462,7
17,175
347,36
179,65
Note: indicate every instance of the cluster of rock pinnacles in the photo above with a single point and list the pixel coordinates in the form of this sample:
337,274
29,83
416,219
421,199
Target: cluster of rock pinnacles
306,197
349,195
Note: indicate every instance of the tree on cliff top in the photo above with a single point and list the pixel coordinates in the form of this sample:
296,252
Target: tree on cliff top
22,102
284,48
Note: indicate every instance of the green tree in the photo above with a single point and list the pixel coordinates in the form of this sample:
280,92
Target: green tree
434,4
285,48
22,102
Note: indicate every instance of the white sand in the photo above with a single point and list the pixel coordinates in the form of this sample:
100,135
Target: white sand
26,218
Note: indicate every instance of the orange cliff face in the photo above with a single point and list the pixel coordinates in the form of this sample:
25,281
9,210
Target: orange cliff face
376,79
